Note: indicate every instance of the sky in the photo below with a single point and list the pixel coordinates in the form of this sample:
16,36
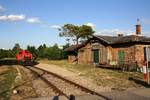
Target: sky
35,22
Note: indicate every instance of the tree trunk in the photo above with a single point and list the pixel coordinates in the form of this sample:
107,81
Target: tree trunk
77,40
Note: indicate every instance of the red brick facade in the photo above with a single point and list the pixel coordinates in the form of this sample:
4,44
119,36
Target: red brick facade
110,50
109,54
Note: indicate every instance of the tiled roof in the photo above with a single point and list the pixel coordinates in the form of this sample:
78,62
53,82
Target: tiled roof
123,39
112,40
74,47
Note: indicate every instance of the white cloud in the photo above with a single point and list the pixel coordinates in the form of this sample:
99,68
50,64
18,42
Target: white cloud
2,8
16,17
90,24
3,17
33,20
55,26
12,17
59,27
114,32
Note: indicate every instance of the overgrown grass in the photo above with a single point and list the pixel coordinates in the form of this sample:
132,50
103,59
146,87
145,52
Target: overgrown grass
6,80
103,77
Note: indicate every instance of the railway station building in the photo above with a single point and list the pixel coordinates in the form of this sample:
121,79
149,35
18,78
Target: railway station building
111,50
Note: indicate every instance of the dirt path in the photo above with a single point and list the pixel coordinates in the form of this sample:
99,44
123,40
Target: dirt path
74,77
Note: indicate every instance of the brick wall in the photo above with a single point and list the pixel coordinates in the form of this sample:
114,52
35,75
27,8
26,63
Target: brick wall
139,55
133,53
84,55
71,58
129,54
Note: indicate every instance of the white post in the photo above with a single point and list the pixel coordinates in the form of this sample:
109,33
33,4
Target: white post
147,64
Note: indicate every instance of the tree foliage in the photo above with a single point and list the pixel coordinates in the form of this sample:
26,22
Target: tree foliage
53,52
76,32
64,54
6,53
32,49
16,48
43,51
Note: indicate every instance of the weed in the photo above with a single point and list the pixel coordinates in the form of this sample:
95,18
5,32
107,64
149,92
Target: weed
6,84
103,77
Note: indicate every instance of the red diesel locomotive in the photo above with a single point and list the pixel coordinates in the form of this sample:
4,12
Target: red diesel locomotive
24,57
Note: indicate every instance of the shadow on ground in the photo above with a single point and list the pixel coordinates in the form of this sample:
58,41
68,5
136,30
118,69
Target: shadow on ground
140,82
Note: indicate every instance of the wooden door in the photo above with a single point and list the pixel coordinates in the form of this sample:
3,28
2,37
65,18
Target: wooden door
121,56
95,56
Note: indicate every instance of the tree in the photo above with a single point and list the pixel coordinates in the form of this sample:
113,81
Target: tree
41,50
53,53
10,53
16,48
2,53
32,50
64,53
6,53
86,31
75,31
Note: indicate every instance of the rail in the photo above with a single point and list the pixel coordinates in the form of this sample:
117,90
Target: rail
75,84
49,83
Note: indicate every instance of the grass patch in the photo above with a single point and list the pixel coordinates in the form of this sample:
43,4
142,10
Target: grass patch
115,79
6,81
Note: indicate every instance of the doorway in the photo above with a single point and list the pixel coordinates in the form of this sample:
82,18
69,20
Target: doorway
96,56
121,56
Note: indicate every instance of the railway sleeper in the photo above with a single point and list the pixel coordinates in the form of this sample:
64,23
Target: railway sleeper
75,84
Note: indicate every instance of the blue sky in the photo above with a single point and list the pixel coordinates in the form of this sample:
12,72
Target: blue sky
34,22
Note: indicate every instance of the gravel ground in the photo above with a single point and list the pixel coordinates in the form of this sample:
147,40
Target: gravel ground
33,87
40,87
43,91
22,87
86,82
36,89
67,88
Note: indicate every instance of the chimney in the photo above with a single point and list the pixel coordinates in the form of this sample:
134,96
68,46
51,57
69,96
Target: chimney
138,27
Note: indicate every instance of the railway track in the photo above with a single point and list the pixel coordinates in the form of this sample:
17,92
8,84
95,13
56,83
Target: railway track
13,61
61,85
